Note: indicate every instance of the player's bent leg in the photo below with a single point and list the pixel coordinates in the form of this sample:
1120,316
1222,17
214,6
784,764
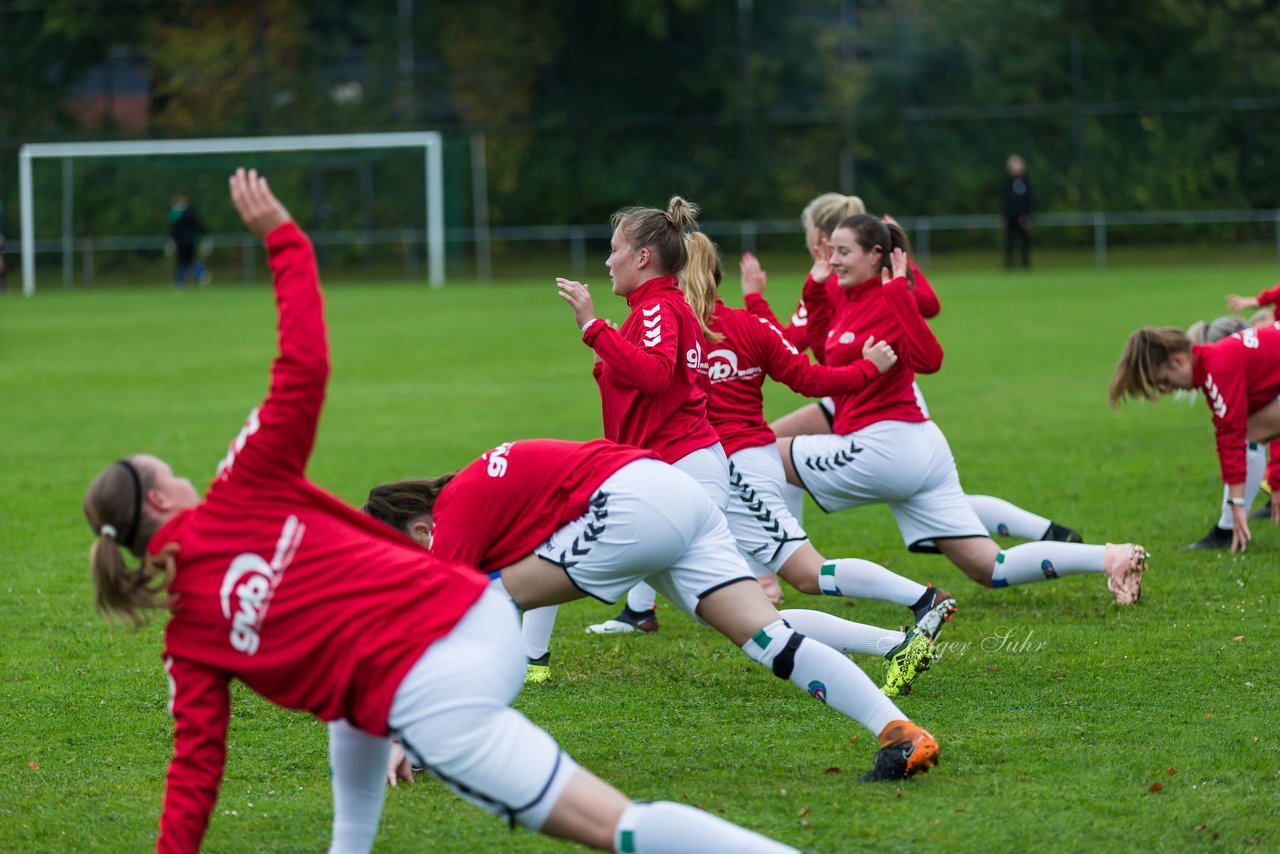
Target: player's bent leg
357,771
802,569
536,626
807,420
534,582
839,633
594,813
741,610
975,556
1123,563
663,827
1009,520
907,653
452,714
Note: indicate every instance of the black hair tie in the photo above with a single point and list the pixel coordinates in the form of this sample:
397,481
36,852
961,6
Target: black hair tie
137,504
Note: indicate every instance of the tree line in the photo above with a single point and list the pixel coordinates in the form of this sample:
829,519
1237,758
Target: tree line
751,107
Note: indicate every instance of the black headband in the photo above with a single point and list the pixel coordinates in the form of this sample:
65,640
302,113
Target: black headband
127,542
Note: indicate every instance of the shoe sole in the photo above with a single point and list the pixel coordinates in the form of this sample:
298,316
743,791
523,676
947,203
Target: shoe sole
617,627
948,607
1131,568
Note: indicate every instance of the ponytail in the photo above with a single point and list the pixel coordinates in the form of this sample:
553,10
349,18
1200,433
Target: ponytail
898,240
1147,350
827,211
113,506
130,593
700,280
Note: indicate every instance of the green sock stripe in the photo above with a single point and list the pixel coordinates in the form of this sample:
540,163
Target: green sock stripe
627,842
762,639
828,569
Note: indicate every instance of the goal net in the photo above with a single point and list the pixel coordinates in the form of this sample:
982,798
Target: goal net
379,194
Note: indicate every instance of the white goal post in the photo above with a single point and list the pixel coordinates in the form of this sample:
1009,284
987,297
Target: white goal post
428,141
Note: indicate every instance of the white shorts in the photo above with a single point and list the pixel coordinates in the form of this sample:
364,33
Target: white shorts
710,468
648,522
453,715
766,532
905,465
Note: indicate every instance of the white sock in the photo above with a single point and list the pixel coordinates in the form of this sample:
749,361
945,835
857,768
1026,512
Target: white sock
663,827
1000,517
826,674
535,629
841,634
1042,561
862,579
642,597
1255,458
358,773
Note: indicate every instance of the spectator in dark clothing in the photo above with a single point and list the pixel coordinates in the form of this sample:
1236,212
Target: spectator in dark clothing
1016,214
186,231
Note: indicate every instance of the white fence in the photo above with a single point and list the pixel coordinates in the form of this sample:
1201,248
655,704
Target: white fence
80,253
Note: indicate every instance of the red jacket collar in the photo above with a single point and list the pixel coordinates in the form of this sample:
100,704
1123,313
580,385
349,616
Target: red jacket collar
652,287
861,288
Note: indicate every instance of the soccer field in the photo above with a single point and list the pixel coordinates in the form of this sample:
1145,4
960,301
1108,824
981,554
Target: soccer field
1066,723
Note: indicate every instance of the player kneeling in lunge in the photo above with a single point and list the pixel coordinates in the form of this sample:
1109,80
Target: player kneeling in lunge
820,219
1219,536
1240,378
743,350
559,520
318,608
886,450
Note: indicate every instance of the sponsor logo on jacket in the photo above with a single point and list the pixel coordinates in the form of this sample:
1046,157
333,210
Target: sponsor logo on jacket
693,359
722,365
498,460
249,584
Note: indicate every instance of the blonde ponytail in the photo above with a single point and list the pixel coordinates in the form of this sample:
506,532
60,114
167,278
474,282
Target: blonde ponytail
699,281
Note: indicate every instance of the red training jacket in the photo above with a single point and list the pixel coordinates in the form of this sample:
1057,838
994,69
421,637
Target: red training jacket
888,313
651,392
504,505
310,603
752,349
1239,375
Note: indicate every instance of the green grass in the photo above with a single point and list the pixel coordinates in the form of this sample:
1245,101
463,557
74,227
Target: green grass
1051,746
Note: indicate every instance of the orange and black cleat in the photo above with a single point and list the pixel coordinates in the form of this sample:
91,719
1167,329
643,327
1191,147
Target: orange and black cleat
905,749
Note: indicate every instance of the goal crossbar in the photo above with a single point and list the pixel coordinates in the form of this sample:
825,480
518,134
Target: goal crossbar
428,141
